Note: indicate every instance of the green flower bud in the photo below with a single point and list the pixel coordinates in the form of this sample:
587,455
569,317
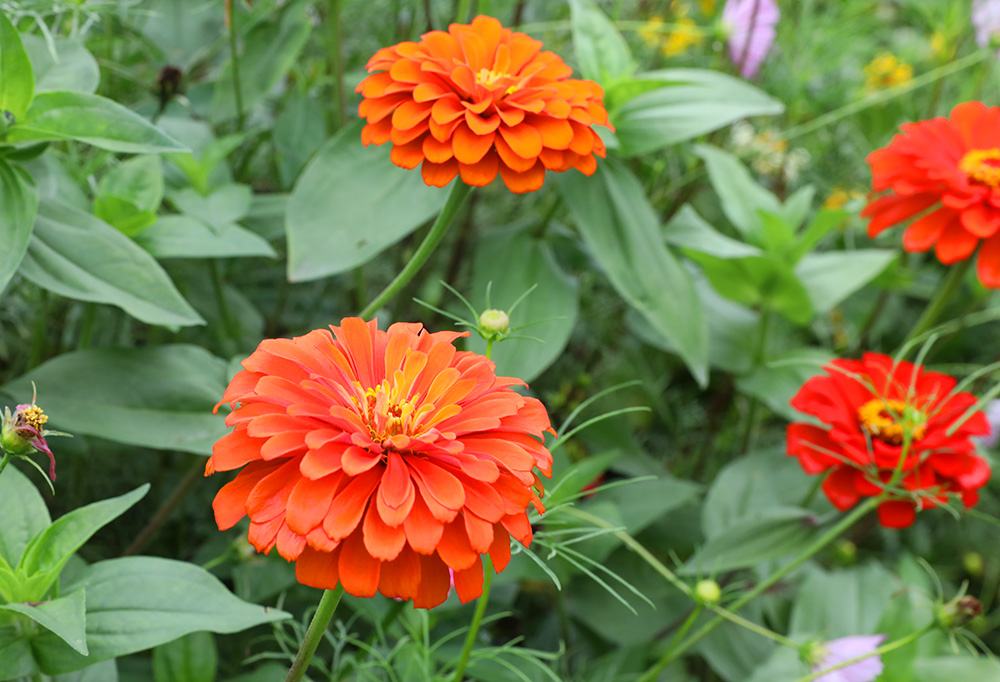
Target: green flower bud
494,324
708,592
973,562
958,612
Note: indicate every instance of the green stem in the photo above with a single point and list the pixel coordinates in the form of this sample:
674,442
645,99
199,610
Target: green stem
939,302
5,462
886,95
884,649
337,58
194,473
477,620
458,195
320,621
654,672
87,325
753,627
758,361
825,539
220,301
235,58
462,15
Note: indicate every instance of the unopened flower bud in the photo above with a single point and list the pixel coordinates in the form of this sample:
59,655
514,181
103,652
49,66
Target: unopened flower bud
959,612
494,323
845,552
708,592
973,562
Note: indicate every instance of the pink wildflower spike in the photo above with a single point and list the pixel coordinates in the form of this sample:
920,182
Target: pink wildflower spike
986,21
751,26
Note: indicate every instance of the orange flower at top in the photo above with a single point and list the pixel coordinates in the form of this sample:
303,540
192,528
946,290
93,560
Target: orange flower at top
481,99
380,459
945,173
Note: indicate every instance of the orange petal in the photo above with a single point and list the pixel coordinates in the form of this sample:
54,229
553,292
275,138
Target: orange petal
524,140
235,450
529,181
400,578
955,244
230,504
512,160
382,541
468,147
349,504
435,581
359,571
439,174
309,502
556,133
482,173
423,530
469,582
269,496
454,547
357,460
436,151
988,267
480,532
323,460
289,543
409,155
318,569
500,549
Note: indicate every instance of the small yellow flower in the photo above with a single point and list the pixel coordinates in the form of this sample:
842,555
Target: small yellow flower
886,71
941,47
679,9
677,42
707,7
840,197
651,33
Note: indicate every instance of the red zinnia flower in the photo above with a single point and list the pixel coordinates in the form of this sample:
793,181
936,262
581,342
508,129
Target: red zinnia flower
380,459
869,406
479,99
947,172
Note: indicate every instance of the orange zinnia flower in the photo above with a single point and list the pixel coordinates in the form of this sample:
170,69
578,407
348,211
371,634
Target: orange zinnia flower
947,172
479,99
380,459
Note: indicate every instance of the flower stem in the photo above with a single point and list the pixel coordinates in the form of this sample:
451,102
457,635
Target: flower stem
337,60
821,542
235,58
477,620
461,16
320,621
654,672
458,195
6,460
884,649
758,361
939,302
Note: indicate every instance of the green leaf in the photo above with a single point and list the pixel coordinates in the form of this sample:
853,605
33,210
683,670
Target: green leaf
842,603
765,281
192,658
622,232
158,397
831,277
601,52
349,204
23,512
734,652
688,230
778,533
62,64
951,668
91,119
514,261
688,103
137,603
15,654
129,195
826,219
63,617
780,378
105,671
295,132
49,551
181,236
17,80
224,205
740,197
77,255
18,203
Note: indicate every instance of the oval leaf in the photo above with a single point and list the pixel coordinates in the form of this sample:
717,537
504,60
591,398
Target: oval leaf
23,512
601,52
62,64
18,203
17,81
181,236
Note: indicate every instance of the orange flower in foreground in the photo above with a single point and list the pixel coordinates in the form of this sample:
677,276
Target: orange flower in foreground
945,173
380,459
481,99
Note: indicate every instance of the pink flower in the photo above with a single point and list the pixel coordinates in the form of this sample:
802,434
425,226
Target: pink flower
751,27
23,432
986,21
846,649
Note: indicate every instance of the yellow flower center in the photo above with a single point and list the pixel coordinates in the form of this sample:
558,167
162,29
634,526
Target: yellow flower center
34,417
386,413
489,78
982,166
888,420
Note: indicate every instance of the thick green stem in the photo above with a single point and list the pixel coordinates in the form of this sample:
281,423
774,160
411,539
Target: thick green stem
825,539
654,672
884,649
320,621
5,462
235,59
458,195
477,621
939,302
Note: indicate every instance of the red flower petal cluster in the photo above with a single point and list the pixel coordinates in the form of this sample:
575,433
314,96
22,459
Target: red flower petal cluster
869,406
380,459
479,99
945,173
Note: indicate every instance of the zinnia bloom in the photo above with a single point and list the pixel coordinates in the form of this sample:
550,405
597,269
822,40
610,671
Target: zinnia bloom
23,432
380,459
945,173
751,26
845,649
479,99
869,406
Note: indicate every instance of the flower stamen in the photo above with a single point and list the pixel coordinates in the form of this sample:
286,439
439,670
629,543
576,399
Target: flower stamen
982,166
889,420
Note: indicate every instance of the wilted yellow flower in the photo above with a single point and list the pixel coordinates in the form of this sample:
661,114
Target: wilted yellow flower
886,71
651,33
678,41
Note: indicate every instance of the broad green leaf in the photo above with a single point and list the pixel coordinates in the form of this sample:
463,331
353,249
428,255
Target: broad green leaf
224,205
49,551
137,603
271,49
349,204
601,52
766,281
798,206
826,219
734,652
688,230
781,377
91,119
295,132
192,658
158,397
23,512
952,668
16,660
183,30
77,255
62,64
266,673
129,195
687,103
623,235
267,216
740,197
17,81
514,261
63,617
181,236
842,603
784,664
105,671
18,203
778,533
776,233
831,277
